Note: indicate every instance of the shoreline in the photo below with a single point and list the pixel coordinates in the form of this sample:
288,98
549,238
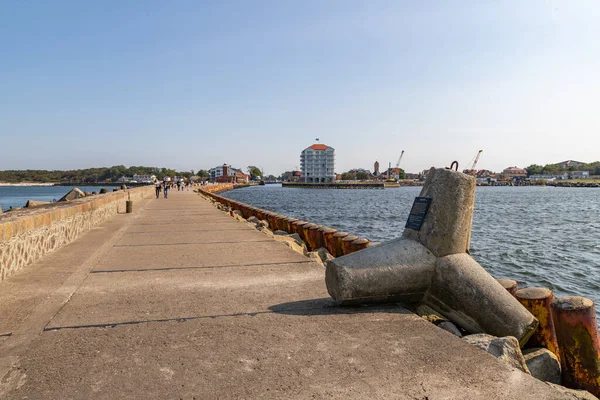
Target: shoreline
26,184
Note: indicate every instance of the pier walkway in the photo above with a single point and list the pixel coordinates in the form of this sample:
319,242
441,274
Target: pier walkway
180,301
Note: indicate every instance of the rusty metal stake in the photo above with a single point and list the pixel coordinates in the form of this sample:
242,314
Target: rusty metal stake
538,301
577,334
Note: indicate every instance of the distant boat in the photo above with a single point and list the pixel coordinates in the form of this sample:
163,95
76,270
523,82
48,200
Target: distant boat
261,183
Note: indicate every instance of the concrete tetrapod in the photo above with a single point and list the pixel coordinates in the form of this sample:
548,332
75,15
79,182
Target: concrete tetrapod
403,272
431,265
465,293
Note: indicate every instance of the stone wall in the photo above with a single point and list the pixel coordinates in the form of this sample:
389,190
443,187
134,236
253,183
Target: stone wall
27,234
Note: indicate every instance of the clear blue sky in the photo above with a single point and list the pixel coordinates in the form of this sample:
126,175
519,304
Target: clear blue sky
193,84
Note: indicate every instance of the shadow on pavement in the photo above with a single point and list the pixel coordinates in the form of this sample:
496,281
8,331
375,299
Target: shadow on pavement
326,306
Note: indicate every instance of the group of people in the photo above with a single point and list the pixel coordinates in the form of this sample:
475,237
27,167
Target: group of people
167,184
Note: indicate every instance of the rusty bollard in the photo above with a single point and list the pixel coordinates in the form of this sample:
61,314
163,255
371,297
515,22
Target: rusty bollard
292,225
310,236
301,231
347,244
279,223
338,238
329,240
286,225
316,237
129,206
510,285
359,244
538,301
577,333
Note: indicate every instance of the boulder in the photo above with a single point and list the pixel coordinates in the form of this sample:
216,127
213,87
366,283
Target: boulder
574,393
429,314
103,190
543,364
74,194
504,348
35,203
87,194
450,327
253,219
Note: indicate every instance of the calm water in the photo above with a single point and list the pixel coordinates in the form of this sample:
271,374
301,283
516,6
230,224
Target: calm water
17,196
536,235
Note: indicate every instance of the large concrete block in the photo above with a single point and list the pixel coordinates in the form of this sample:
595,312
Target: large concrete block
446,228
399,270
465,293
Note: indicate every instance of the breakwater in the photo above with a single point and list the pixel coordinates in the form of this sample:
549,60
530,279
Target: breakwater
314,236
568,332
29,233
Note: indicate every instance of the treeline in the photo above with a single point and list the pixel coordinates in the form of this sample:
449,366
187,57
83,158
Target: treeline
89,175
554,169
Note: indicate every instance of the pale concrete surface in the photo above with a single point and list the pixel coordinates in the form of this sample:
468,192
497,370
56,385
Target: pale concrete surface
218,320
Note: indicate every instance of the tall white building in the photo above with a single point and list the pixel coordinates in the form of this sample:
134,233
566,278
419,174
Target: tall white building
317,163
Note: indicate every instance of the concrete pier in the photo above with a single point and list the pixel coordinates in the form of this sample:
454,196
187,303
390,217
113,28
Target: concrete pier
180,300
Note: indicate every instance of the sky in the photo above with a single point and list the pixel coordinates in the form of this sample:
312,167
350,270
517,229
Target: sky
194,84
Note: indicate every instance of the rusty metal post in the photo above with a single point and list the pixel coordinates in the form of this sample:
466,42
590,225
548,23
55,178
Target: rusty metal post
307,234
510,285
338,238
359,244
315,237
347,244
303,232
329,240
292,224
577,334
297,228
538,301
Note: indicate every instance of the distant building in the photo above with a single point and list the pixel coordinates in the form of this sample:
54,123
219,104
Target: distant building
144,178
515,173
570,163
376,168
394,173
580,174
226,174
317,163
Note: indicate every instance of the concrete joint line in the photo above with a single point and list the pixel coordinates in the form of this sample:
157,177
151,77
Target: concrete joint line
188,243
35,324
303,310
190,230
106,271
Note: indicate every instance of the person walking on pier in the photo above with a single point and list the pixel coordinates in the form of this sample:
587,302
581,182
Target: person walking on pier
157,186
166,183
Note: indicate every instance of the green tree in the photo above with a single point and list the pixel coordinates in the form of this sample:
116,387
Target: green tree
534,169
254,172
362,176
203,174
348,176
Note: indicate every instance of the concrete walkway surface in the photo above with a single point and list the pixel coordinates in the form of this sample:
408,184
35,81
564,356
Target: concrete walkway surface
180,301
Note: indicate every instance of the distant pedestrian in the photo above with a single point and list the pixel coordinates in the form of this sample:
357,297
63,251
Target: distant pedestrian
157,185
166,183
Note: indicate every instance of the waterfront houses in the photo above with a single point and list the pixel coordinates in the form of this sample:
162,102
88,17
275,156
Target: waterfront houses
226,174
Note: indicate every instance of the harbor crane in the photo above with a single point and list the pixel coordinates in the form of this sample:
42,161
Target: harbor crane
399,159
389,174
472,170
